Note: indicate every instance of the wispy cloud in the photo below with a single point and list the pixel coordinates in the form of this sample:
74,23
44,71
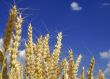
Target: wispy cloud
106,55
75,6
105,4
107,71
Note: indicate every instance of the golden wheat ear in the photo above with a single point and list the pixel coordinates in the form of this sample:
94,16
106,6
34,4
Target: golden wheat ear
57,49
9,27
16,41
91,68
46,49
82,73
7,37
55,56
65,69
100,75
76,66
71,64
29,55
14,64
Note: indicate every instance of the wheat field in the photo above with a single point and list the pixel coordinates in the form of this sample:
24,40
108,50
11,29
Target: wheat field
40,63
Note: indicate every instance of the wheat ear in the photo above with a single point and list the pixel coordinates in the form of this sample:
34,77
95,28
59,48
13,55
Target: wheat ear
46,57
100,75
76,66
38,58
16,41
65,69
30,67
71,64
7,38
55,55
46,50
9,27
14,64
82,74
91,68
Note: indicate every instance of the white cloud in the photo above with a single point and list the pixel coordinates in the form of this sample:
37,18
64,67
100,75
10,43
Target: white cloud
75,6
107,71
105,55
1,43
21,53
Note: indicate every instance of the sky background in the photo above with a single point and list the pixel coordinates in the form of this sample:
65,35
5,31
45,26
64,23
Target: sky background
85,25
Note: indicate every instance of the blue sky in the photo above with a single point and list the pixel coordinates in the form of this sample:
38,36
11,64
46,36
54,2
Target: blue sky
85,25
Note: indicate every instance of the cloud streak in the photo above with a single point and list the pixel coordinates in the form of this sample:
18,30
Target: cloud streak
105,4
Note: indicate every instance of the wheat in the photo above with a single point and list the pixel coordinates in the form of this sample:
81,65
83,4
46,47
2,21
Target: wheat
55,56
14,64
38,58
100,75
71,64
39,62
76,66
16,41
82,74
9,27
7,38
65,69
90,71
46,50
30,70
